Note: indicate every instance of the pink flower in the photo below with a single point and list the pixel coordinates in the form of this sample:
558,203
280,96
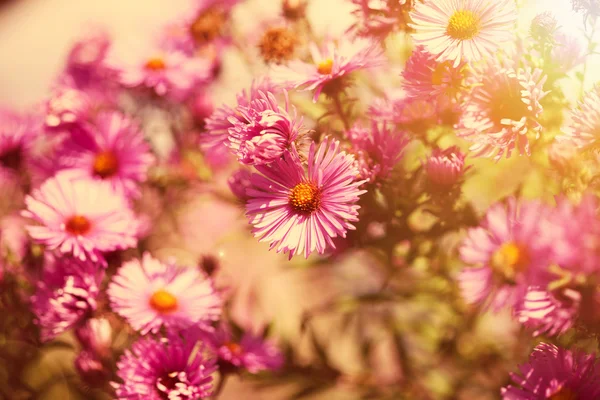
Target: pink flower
547,312
170,368
151,294
17,136
330,67
66,107
378,149
65,295
463,30
166,73
583,123
299,212
501,110
239,182
509,252
80,217
555,373
446,167
86,66
426,78
379,18
113,150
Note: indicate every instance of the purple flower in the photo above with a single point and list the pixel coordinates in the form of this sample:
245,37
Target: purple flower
446,167
169,368
509,251
262,131
555,373
378,149
330,67
113,150
80,217
65,295
252,352
299,212
150,294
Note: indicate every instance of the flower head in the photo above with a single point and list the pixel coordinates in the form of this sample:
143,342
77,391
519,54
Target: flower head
277,45
65,295
555,373
463,30
502,110
67,107
583,126
151,294
169,368
17,134
80,217
378,18
113,150
300,212
543,27
446,167
549,313
86,65
330,67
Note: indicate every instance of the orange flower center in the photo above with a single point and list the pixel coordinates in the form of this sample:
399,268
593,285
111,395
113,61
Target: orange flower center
277,45
564,394
325,67
163,301
305,198
156,64
234,347
510,259
208,26
78,225
463,25
106,164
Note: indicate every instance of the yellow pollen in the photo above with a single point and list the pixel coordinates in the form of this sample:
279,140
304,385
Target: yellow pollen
106,164
163,301
564,394
78,225
305,198
325,67
155,64
510,259
463,25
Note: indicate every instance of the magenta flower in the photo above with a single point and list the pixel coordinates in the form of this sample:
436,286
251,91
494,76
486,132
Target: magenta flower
299,212
170,368
17,136
252,352
377,18
549,313
583,123
151,294
262,131
446,167
86,66
555,373
113,150
378,149
95,336
65,295
80,217
502,110
239,182
67,107
467,30
166,73
330,67
509,252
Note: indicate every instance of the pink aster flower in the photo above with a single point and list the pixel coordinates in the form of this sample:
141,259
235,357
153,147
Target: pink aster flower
583,123
263,130
170,368
299,212
65,295
567,52
151,294
239,182
549,313
86,65
424,77
446,167
80,217
166,73
378,149
17,136
330,66
378,18
252,353
555,373
501,110
113,149
66,107
463,30
509,252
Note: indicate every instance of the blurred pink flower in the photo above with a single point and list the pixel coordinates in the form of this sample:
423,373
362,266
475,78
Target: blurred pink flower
465,30
445,168
239,182
66,107
583,122
549,313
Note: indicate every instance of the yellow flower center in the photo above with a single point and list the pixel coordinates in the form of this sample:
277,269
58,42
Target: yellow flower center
510,259
106,164
325,67
277,45
463,25
155,64
437,75
305,198
163,301
564,394
78,225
